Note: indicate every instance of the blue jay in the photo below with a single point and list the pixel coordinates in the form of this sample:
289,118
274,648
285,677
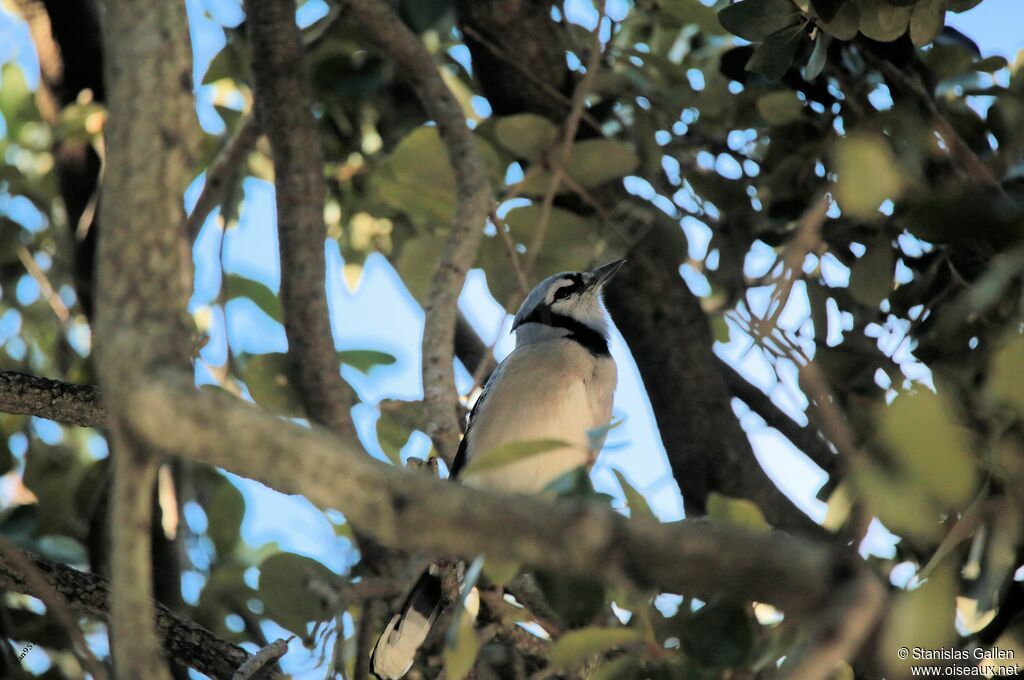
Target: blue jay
557,384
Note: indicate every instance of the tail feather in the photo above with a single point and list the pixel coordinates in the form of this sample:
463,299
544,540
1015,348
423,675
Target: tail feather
396,648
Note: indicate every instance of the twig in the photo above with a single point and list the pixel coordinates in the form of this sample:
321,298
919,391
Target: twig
222,172
57,606
805,438
267,655
561,156
284,108
225,166
840,631
474,199
49,294
558,158
497,51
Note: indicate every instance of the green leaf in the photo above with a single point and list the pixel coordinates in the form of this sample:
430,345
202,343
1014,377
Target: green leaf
902,506
261,295
930,447
845,24
17,102
990,64
819,56
284,589
53,473
774,56
500,572
418,180
597,161
416,264
868,174
738,511
225,507
720,634
527,135
577,646
420,15
871,277
755,20
578,601
780,107
231,62
882,21
625,667
568,246
269,381
960,6
638,506
363,360
508,454
461,647
923,617
1004,376
926,20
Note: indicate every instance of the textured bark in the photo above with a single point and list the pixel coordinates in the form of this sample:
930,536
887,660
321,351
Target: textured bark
89,595
473,201
284,109
418,512
671,341
144,280
60,401
518,55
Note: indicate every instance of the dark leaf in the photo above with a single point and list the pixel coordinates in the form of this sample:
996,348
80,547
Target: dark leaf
827,9
774,56
363,360
755,20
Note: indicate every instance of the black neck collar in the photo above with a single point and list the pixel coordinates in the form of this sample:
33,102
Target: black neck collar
591,340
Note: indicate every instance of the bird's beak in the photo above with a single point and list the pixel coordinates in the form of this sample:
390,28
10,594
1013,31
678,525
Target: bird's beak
603,274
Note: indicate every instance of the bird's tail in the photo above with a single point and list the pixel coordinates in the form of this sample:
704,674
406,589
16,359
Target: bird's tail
396,648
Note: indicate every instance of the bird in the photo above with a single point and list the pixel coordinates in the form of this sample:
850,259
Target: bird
557,384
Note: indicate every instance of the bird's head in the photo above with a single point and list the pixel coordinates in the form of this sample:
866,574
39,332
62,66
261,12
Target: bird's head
562,300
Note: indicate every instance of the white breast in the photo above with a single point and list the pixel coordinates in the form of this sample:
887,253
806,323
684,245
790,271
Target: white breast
549,390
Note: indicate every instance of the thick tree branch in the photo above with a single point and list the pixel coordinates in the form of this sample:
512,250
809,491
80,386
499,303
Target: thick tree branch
803,437
418,512
60,401
56,606
89,594
707,448
144,281
474,198
284,108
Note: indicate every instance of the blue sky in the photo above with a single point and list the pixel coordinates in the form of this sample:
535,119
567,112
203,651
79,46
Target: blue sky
381,314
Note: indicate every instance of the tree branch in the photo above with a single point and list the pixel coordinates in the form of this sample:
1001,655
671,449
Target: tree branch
418,512
56,606
144,281
89,594
222,171
803,437
284,108
706,446
474,198
60,401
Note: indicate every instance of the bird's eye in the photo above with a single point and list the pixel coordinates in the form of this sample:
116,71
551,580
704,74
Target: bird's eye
564,292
